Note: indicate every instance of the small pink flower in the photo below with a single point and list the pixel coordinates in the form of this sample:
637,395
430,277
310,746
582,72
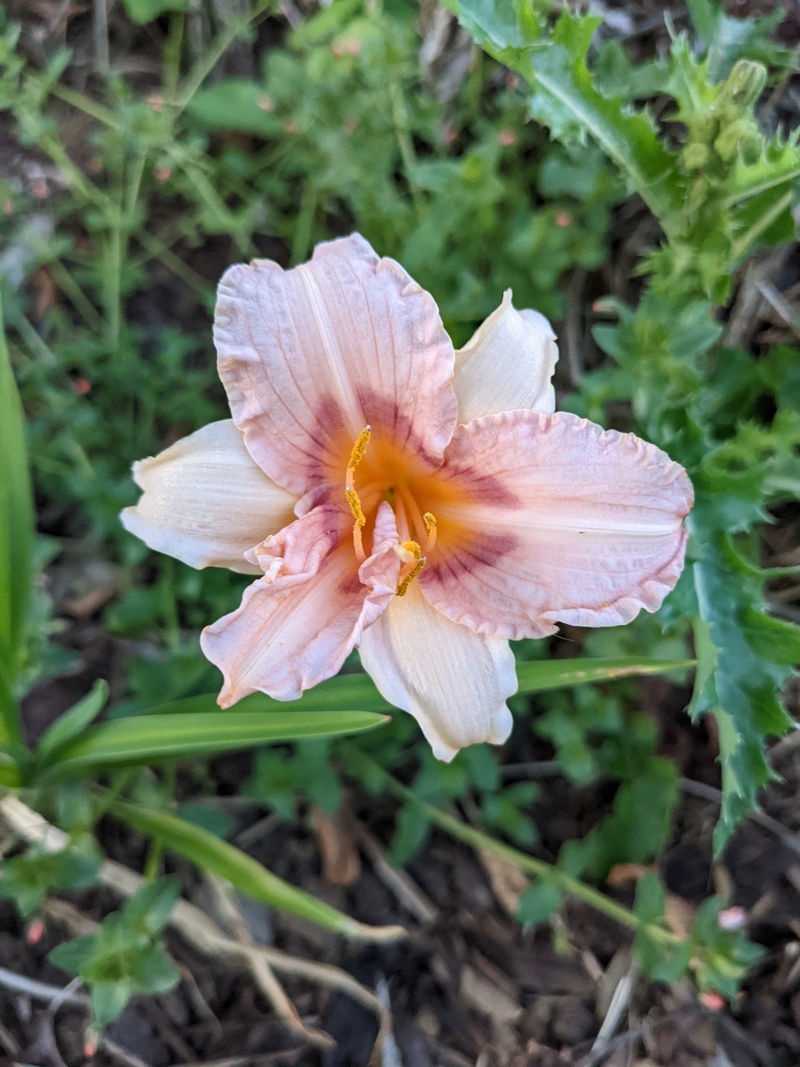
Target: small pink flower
712,1001
508,137
734,918
421,503
35,932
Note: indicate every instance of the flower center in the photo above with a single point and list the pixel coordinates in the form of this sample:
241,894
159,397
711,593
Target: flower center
389,482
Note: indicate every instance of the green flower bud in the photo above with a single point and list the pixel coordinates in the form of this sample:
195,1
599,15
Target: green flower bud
729,141
745,82
695,156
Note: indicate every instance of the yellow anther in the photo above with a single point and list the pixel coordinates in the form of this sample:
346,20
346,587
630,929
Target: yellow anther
404,583
411,554
413,549
430,525
359,448
355,506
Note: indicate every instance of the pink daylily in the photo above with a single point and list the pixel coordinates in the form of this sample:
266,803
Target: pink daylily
392,494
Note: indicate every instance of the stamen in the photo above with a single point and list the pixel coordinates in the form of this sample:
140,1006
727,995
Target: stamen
411,554
430,525
354,501
357,454
358,543
404,583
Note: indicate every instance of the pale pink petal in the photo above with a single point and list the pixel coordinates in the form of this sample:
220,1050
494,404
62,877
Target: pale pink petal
549,519
297,624
205,501
507,364
311,356
453,681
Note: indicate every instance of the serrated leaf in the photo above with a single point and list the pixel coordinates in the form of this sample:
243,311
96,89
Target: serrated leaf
565,99
743,679
778,167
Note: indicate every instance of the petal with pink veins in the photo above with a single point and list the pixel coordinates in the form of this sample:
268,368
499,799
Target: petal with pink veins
311,356
453,681
297,624
206,502
551,519
507,364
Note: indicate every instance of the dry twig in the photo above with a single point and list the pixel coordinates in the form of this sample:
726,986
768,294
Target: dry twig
194,925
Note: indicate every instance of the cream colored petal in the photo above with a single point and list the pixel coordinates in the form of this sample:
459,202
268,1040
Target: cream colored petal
507,364
206,502
453,681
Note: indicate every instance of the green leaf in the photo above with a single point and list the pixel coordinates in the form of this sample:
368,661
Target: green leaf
108,1001
147,739
744,662
16,543
565,98
777,168
143,11
75,720
344,692
650,900
208,852
150,909
705,15
236,104
538,903
539,676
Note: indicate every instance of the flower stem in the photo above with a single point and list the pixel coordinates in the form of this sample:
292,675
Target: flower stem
485,843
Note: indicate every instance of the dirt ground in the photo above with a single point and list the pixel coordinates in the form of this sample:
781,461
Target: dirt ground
466,986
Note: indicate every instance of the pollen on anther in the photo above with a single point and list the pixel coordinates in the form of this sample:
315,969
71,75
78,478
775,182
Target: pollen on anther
357,511
430,525
406,581
359,448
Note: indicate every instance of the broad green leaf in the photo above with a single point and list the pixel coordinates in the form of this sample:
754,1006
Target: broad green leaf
147,739
210,853
540,676
16,543
75,719
236,104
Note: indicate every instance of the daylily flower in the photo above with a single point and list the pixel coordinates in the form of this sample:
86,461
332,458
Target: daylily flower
422,504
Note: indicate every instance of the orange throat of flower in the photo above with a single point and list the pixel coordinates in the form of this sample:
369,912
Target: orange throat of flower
388,481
